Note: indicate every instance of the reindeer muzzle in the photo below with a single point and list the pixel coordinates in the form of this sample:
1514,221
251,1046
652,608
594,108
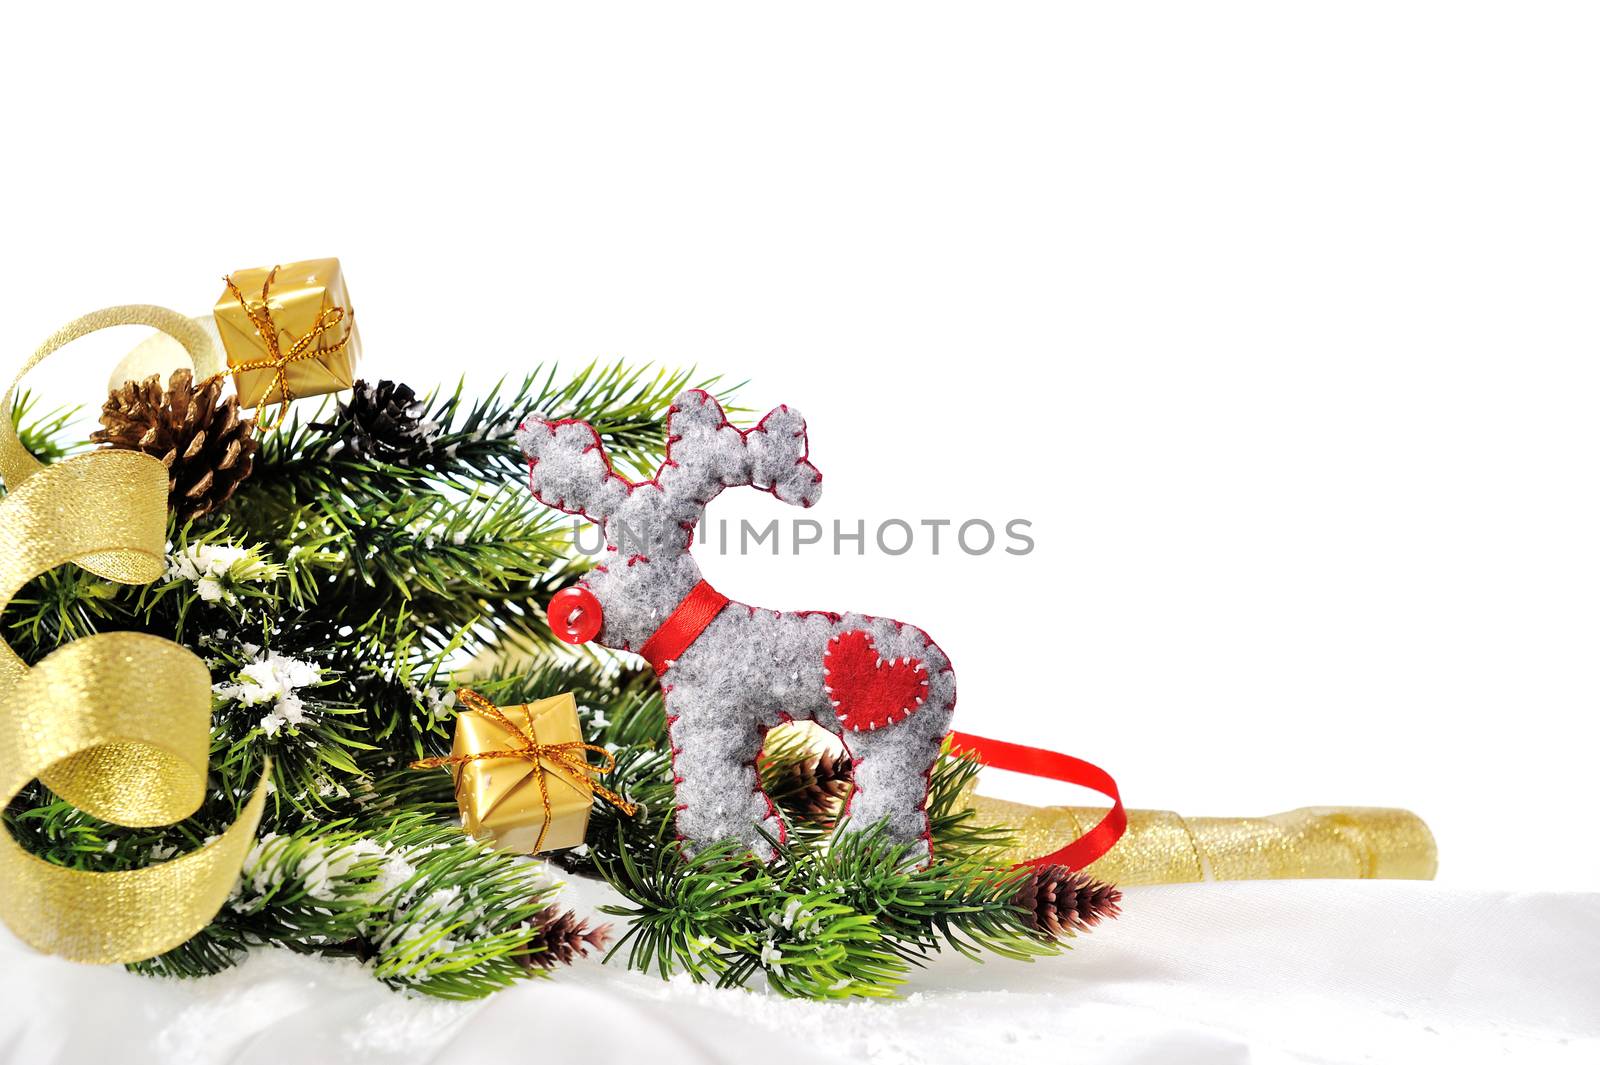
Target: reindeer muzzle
575,615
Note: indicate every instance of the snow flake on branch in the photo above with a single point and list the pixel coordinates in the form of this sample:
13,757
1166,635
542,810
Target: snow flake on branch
218,571
273,679
440,706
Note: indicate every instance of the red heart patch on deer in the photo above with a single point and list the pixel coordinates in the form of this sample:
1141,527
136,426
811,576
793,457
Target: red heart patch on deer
867,691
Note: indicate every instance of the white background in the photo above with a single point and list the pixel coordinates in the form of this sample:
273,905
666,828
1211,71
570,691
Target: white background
1278,321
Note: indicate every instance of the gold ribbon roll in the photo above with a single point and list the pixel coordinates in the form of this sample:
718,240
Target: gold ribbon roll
1160,847
118,724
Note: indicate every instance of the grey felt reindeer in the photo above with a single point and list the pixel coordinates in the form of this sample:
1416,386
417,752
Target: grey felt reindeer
729,671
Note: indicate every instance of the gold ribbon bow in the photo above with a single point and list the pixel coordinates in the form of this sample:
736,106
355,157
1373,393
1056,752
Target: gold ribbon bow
117,723
278,360
568,758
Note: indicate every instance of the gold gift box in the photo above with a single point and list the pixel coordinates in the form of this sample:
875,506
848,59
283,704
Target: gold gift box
500,798
298,295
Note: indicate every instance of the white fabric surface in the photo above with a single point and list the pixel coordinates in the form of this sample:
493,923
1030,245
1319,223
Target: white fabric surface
1263,972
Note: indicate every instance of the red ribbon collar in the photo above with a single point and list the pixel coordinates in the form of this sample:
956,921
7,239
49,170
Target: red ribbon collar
683,626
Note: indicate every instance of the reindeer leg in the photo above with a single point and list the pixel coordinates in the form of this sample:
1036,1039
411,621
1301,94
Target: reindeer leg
714,755
891,771
893,763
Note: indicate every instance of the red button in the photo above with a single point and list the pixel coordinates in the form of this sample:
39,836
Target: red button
574,615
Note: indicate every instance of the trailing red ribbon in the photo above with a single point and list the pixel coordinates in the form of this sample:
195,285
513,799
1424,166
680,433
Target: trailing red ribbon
1051,765
683,626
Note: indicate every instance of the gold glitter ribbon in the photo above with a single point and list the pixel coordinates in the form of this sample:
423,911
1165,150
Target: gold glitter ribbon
570,759
118,724
1160,847
278,360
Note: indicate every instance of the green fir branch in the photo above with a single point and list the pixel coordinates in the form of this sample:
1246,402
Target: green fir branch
474,442
44,434
427,908
832,916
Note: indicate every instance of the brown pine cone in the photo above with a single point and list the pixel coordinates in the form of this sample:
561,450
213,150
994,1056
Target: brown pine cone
1062,903
813,790
561,937
204,444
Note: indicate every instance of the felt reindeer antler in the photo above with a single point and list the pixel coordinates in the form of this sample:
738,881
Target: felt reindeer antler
706,454
570,471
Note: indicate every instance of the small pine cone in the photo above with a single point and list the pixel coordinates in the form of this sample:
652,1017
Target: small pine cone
207,448
1062,903
561,937
383,421
816,789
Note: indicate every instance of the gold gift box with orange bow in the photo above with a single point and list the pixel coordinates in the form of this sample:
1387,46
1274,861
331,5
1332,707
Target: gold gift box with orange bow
523,780
288,331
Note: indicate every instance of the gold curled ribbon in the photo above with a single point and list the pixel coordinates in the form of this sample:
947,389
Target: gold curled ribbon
570,758
1161,847
118,724
159,354
278,360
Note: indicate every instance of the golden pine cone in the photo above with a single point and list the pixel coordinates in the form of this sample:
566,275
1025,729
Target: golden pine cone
207,448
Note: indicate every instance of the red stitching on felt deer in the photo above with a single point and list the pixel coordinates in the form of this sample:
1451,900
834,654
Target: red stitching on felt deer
730,671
